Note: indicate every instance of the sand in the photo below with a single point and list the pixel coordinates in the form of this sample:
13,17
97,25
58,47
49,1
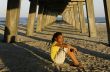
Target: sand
31,54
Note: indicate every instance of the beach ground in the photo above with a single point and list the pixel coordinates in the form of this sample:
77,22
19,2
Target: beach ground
31,54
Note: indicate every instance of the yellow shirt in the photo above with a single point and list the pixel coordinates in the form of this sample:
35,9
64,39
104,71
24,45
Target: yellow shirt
54,50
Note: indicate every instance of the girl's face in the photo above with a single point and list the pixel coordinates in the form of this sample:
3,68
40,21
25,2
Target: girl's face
59,39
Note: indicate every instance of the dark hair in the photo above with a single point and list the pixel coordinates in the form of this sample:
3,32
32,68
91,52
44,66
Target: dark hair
56,35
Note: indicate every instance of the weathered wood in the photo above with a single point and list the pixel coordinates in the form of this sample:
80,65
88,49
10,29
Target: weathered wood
66,16
48,20
69,16
82,18
72,16
39,22
53,19
12,20
107,16
31,18
91,18
40,19
44,20
76,15
67,19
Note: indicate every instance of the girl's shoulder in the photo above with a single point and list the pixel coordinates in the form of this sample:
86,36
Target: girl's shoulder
54,43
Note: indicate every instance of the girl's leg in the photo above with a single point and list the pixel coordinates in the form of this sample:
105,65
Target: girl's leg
73,57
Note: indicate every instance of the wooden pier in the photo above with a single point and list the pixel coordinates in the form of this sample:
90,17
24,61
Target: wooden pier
47,10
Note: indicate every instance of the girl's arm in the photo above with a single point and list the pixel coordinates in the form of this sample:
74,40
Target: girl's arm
62,45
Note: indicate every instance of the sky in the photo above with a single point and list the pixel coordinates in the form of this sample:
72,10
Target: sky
98,8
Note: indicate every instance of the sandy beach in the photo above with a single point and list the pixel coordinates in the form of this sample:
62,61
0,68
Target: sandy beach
31,54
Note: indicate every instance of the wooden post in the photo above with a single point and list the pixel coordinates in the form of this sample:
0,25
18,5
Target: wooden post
12,20
63,15
82,18
39,23
52,18
72,16
44,20
40,20
48,19
31,18
76,15
67,12
91,18
107,16
66,16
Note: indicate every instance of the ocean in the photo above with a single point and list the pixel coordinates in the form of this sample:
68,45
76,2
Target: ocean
23,20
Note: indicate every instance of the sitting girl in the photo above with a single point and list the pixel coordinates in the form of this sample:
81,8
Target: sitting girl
60,49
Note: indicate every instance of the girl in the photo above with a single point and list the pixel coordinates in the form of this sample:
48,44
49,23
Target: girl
59,49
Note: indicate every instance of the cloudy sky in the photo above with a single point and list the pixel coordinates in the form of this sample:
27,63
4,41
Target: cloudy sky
98,7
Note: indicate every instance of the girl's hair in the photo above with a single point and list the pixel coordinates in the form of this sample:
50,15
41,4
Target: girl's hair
56,35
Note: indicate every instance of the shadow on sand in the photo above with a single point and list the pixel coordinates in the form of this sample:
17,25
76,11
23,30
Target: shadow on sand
20,57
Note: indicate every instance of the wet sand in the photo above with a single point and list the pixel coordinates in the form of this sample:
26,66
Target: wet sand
31,54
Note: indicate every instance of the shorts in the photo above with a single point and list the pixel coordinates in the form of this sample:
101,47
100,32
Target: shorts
61,55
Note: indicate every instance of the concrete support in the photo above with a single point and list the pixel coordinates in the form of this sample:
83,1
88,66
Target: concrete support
12,20
76,15
31,18
107,16
82,18
91,18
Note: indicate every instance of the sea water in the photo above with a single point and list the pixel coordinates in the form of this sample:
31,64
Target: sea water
23,20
